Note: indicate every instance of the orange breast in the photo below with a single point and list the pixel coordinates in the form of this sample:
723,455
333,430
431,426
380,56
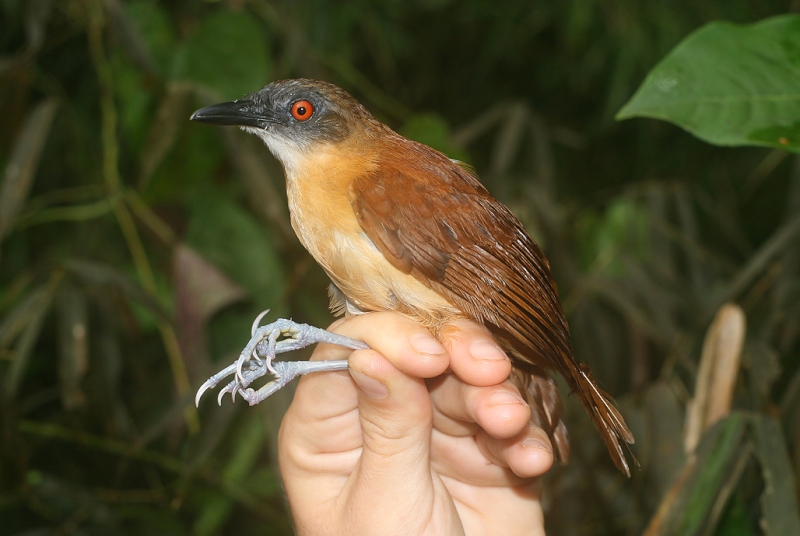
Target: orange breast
325,223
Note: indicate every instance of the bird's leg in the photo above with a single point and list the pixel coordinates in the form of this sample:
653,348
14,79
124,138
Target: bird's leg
256,359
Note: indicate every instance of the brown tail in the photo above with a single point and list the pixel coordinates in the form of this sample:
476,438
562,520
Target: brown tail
545,401
547,411
605,416
541,393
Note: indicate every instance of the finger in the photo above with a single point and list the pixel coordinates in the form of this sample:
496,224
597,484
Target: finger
322,418
512,462
320,432
325,395
408,345
322,401
528,455
461,459
395,409
405,343
396,420
475,357
461,409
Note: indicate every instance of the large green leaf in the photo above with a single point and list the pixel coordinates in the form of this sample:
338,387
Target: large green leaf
730,84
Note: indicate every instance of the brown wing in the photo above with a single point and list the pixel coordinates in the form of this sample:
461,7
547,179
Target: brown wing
432,219
437,222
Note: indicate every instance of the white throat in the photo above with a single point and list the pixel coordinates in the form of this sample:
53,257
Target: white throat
289,153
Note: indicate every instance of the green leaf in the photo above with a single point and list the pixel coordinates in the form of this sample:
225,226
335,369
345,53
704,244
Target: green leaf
698,496
734,522
730,84
227,54
718,455
779,501
229,237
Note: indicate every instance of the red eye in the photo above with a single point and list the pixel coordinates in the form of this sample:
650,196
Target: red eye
302,110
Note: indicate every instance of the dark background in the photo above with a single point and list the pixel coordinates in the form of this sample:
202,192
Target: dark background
137,247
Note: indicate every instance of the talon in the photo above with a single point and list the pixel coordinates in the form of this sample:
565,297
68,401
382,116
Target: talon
203,388
258,336
220,395
230,388
257,358
268,361
239,365
212,382
257,321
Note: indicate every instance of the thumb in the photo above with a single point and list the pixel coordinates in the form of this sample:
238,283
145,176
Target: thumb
395,409
396,420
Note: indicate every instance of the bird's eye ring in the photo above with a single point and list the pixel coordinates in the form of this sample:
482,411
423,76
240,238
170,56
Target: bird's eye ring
302,110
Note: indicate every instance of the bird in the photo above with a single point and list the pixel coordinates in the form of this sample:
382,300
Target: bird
399,226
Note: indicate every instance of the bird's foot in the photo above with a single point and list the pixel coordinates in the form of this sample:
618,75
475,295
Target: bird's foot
256,359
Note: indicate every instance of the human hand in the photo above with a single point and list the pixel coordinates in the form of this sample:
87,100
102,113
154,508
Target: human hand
383,451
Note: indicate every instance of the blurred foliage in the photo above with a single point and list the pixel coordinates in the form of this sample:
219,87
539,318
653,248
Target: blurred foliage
137,248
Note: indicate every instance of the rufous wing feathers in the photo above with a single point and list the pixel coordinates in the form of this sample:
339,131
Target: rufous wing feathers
432,219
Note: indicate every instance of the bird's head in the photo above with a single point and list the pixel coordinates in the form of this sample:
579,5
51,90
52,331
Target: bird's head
294,117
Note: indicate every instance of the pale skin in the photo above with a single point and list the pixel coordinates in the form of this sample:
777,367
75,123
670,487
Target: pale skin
417,437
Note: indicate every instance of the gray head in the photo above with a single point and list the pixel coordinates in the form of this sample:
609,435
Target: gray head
293,116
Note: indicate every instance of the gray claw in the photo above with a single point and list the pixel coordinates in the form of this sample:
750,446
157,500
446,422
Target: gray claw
221,394
257,321
264,344
212,382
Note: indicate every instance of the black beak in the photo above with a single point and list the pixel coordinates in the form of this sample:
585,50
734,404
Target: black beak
240,113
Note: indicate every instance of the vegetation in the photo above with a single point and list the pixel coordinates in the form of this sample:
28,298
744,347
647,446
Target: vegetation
136,248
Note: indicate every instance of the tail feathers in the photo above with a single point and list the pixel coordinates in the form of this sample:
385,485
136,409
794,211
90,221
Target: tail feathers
606,417
545,402
542,395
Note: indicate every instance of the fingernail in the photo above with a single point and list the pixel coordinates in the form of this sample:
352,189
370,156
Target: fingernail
504,397
425,344
371,387
485,350
532,442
